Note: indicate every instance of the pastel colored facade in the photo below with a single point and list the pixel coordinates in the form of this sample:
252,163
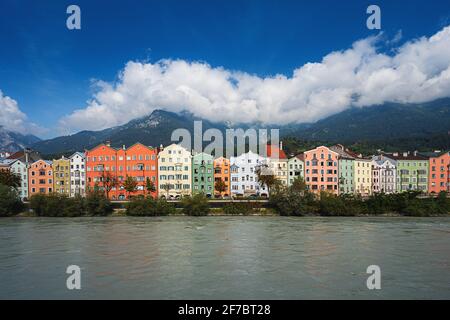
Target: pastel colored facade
278,163
412,171
105,163
203,174
61,176
222,172
175,172
296,168
244,181
321,170
363,176
77,174
439,175
40,178
384,175
346,169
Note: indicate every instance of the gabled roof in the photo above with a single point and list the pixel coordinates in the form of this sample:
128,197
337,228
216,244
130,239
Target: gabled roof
273,149
81,154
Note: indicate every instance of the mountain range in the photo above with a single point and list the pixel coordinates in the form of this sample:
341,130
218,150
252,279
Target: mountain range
388,124
12,141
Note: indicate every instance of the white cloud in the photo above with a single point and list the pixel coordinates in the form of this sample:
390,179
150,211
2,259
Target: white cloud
417,71
13,119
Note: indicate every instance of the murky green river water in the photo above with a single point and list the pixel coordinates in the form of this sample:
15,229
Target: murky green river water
225,257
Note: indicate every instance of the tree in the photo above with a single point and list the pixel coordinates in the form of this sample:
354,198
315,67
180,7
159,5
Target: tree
150,185
10,203
166,187
130,185
299,185
266,177
220,186
7,178
108,182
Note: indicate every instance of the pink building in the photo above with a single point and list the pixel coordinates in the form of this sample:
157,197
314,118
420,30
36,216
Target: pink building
321,170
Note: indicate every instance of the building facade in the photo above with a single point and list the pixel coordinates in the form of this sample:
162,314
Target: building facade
384,175
321,170
296,168
222,173
107,169
40,178
412,171
175,172
278,163
203,174
244,180
362,173
20,169
61,176
346,169
77,174
439,172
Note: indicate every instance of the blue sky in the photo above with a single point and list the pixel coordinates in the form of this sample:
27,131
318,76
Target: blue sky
49,70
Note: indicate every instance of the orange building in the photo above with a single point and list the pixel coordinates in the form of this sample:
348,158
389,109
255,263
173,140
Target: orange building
40,177
439,172
222,172
321,170
108,168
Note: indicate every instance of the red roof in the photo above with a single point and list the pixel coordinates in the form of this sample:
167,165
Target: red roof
281,154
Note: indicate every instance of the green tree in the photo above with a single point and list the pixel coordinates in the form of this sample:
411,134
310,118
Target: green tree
10,179
109,181
150,186
10,203
196,205
130,185
266,177
220,186
298,185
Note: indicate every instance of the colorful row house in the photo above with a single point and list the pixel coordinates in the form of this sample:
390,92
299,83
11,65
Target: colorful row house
61,176
412,171
222,173
175,172
384,175
321,170
296,169
40,178
439,171
244,180
203,174
107,169
346,169
77,174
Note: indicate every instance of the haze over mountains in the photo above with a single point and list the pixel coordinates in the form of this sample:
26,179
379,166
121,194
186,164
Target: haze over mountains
386,122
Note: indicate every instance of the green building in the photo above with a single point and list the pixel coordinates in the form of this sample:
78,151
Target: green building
346,164
412,171
203,174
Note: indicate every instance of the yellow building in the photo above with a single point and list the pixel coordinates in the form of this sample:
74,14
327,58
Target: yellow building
175,172
363,176
61,176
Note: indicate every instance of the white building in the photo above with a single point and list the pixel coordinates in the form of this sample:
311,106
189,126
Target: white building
296,168
384,174
175,172
278,163
21,169
244,181
77,174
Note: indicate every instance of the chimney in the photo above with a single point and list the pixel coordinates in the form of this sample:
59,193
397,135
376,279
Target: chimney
123,147
161,147
26,156
108,143
416,152
281,145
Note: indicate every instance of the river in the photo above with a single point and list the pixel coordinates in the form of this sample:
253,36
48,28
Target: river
225,257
